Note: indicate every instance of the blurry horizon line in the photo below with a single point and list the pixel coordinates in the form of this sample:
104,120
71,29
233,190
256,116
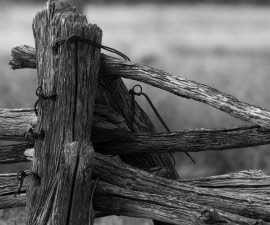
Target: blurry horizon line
161,2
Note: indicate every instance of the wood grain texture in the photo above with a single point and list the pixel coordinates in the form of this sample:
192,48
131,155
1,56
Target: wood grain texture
9,185
70,71
9,201
73,197
189,140
23,57
81,208
247,181
14,123
14,153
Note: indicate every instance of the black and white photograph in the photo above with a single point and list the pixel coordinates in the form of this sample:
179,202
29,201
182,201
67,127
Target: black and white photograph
134,112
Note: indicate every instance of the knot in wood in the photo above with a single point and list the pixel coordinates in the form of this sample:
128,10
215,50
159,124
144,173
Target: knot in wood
31,134
210,216
129,185
35,179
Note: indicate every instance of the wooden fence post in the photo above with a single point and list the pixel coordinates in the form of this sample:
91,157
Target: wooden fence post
59,184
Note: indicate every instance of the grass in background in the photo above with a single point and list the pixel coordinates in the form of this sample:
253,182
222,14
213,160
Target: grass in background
225,47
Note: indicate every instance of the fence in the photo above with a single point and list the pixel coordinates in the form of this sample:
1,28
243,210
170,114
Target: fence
84,107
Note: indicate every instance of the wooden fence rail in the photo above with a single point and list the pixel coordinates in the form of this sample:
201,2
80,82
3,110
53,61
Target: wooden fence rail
24,57
246,182
230,197
112,135
98,110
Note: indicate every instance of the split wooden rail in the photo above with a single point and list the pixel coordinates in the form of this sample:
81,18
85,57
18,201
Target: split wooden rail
85,113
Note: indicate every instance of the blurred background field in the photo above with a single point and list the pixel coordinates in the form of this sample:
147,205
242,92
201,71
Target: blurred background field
224,46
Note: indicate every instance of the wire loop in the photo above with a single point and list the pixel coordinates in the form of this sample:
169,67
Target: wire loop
42,96
21,175
133,92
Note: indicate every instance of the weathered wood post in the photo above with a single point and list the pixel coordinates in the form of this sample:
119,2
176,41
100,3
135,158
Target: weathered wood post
59,190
